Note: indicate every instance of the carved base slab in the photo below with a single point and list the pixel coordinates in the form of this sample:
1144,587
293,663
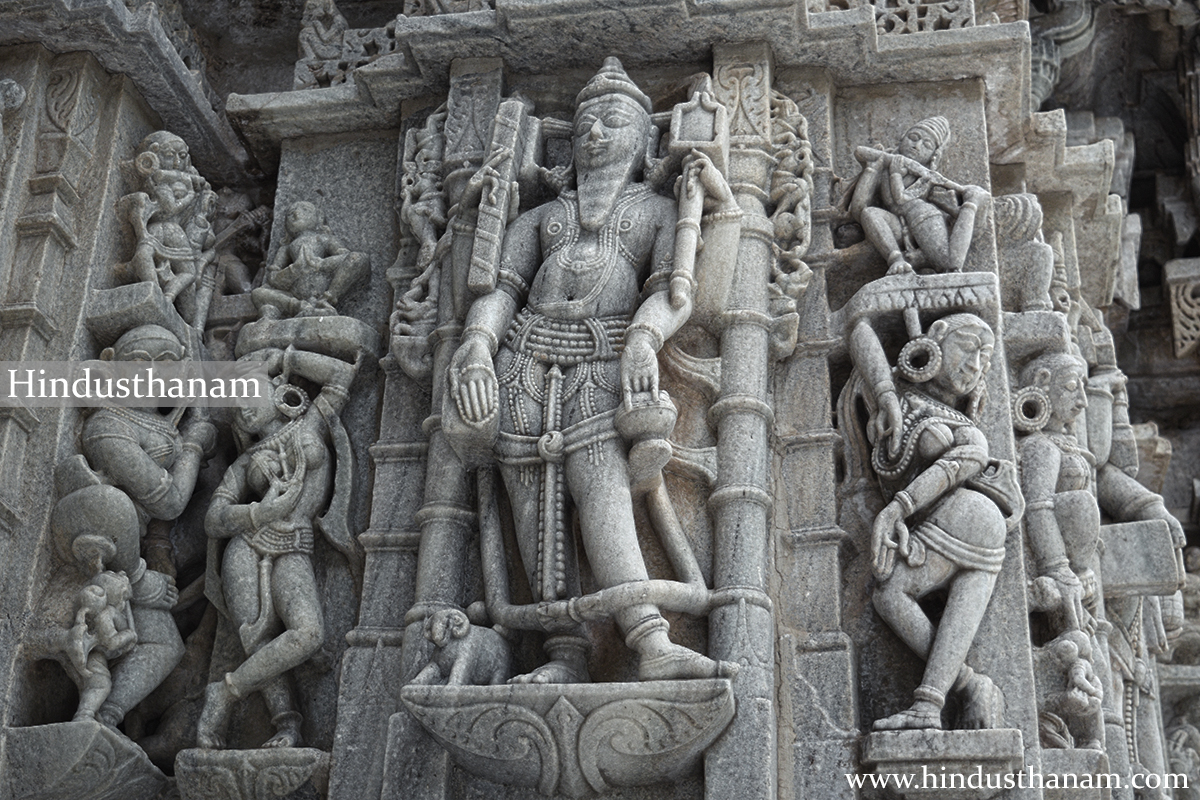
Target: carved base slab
940,760
575,739
248,774
77,761
341,337
111,312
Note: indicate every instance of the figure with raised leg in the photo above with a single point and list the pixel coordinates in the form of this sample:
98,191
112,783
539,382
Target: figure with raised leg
267,506
949,507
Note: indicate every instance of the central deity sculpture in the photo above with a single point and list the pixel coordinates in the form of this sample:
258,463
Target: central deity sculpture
563,353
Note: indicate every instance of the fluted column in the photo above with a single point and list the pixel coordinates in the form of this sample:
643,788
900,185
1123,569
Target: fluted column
743,763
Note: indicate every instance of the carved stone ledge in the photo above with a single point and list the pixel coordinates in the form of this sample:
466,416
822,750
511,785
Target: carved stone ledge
78,761
977,292
248,774
575,739
342,337
1138,559
942,754
137,44
1182,279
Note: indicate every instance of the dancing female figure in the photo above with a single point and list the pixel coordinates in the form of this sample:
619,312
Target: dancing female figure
949,510
266,506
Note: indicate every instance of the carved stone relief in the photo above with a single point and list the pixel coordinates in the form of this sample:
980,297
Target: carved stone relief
750,417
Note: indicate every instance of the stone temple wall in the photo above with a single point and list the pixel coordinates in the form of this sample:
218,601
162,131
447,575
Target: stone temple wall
677,399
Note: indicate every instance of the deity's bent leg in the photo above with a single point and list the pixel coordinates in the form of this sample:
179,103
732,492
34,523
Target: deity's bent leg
882,229
598,477
297,602
158,651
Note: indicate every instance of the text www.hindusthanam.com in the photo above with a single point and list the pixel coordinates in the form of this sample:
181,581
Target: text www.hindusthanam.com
1027,778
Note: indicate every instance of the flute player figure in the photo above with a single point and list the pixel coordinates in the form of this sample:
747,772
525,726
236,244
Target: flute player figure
910,212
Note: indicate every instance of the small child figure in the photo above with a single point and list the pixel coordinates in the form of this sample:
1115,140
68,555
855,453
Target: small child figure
310,271
1083,695
103,631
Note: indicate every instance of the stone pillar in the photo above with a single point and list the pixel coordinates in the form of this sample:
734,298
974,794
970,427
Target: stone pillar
742,763
416,765
818,699
59,234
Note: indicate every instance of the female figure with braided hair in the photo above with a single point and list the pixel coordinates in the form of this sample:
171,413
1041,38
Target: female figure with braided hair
266,505
949,510
909,211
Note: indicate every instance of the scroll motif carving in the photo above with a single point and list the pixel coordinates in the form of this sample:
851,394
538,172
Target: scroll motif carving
742,89
917,16
1182,279
579,740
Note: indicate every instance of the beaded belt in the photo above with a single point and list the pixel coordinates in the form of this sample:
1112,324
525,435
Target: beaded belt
281,538
567,342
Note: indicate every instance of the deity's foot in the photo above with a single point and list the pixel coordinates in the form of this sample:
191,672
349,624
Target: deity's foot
679,663
287,726
922,716
218,702
900,267
557,671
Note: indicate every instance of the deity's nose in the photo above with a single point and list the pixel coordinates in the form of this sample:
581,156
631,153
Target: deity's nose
597,131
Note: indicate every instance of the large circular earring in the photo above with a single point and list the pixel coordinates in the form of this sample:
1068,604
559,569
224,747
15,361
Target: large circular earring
1031,409
919,360
291,400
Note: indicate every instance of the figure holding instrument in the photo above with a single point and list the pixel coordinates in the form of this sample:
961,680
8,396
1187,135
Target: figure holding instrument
910,212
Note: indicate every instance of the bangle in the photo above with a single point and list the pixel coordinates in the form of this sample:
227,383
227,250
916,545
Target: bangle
906,502
721,216
493,343
193,447
885,386
654,333
971,206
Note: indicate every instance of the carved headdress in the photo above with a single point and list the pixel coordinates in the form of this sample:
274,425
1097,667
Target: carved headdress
938,129
612,79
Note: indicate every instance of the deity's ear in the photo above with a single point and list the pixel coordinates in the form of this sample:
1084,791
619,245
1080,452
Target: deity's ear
107,354
1042,377
146,163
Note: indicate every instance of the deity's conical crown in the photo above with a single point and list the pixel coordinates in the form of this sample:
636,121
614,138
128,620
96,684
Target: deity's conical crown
612,79
937,127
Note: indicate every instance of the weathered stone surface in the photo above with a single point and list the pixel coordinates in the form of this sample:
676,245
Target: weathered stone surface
741,399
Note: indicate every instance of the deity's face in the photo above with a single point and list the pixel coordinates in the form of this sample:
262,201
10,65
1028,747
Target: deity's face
966,357
255,419
172,153
1067,392
152,346
918,144
610,130
302,217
